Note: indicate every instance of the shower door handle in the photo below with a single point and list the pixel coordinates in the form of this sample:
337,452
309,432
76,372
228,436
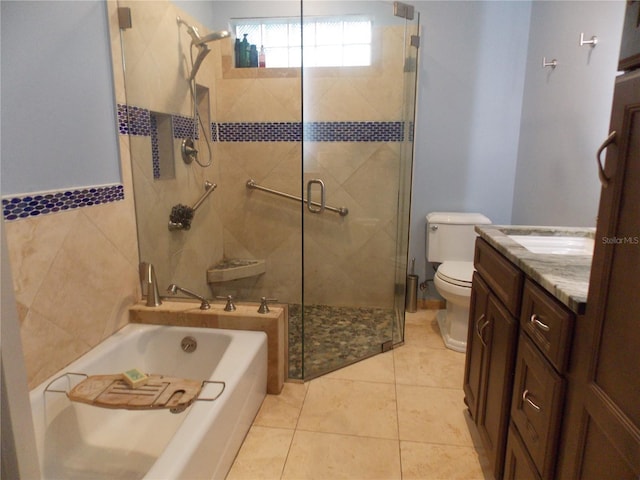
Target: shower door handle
311,205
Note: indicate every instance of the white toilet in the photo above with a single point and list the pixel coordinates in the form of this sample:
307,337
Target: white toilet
450,242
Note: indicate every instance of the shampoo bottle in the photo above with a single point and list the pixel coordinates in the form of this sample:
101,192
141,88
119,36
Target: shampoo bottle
244,51
253,56
238,52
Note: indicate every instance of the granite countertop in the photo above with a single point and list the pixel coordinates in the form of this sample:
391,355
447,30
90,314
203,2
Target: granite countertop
566,277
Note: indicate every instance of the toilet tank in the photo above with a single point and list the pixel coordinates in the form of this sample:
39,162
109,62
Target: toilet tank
451,235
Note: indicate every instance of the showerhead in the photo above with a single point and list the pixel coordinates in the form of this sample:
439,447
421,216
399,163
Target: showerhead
197,40
212,37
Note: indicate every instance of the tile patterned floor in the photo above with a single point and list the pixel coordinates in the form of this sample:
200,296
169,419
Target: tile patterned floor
398,415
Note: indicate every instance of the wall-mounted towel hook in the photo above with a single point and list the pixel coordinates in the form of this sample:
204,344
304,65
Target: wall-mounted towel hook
553,63
593,42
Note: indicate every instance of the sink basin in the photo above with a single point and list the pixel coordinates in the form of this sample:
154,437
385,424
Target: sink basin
555,245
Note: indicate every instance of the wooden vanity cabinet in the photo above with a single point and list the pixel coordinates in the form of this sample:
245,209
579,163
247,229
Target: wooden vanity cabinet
491,348
518,347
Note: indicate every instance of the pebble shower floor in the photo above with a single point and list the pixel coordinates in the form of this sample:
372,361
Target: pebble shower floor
335,336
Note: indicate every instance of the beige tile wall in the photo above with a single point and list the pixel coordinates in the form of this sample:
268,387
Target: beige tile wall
157,59
75,273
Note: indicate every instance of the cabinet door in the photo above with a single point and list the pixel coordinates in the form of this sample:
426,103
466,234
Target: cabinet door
517,464
478,321
495,399
602,427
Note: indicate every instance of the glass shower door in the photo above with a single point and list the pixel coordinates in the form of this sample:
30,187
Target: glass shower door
357,160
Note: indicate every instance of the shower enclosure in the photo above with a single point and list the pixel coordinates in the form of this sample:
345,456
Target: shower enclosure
311,155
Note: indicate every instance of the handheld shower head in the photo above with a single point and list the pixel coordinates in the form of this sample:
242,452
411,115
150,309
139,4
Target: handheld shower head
197,40
201,44
212,37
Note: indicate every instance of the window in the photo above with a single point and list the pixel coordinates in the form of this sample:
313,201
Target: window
328,42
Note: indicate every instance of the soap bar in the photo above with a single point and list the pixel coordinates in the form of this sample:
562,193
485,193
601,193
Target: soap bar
135,378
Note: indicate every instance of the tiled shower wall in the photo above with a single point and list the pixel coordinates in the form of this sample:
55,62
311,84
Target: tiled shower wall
157,59
74,264
352,132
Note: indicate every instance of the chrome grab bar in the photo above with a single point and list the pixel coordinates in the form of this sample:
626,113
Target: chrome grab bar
208,188
343,211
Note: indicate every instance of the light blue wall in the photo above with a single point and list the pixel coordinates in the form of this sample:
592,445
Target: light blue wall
566,111
58,107
471,80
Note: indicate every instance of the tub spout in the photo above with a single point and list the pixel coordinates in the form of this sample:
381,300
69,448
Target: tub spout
150,284
173,289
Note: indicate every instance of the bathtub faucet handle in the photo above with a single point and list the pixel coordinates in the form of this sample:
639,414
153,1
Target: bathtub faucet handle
264,307
230,306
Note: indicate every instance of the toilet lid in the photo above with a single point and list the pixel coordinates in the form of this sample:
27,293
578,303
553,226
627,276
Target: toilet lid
458,273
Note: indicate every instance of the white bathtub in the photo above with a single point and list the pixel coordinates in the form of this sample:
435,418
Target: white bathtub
79,441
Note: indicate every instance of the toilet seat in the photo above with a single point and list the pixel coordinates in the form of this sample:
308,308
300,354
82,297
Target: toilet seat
456,273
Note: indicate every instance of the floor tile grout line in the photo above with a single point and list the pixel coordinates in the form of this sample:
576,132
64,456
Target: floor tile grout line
395,389
375,382
295,429
351,435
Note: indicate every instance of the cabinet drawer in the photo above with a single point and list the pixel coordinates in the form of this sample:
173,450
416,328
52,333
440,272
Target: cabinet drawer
548,323
536,406
503,278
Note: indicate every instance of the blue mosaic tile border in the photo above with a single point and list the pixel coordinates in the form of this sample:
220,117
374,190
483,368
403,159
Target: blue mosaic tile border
257,132
354,131
137,121
133,120
34,205
155,149
183,127
310,132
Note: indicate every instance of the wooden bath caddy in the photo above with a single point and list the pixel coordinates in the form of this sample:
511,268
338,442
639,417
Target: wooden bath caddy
160,392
